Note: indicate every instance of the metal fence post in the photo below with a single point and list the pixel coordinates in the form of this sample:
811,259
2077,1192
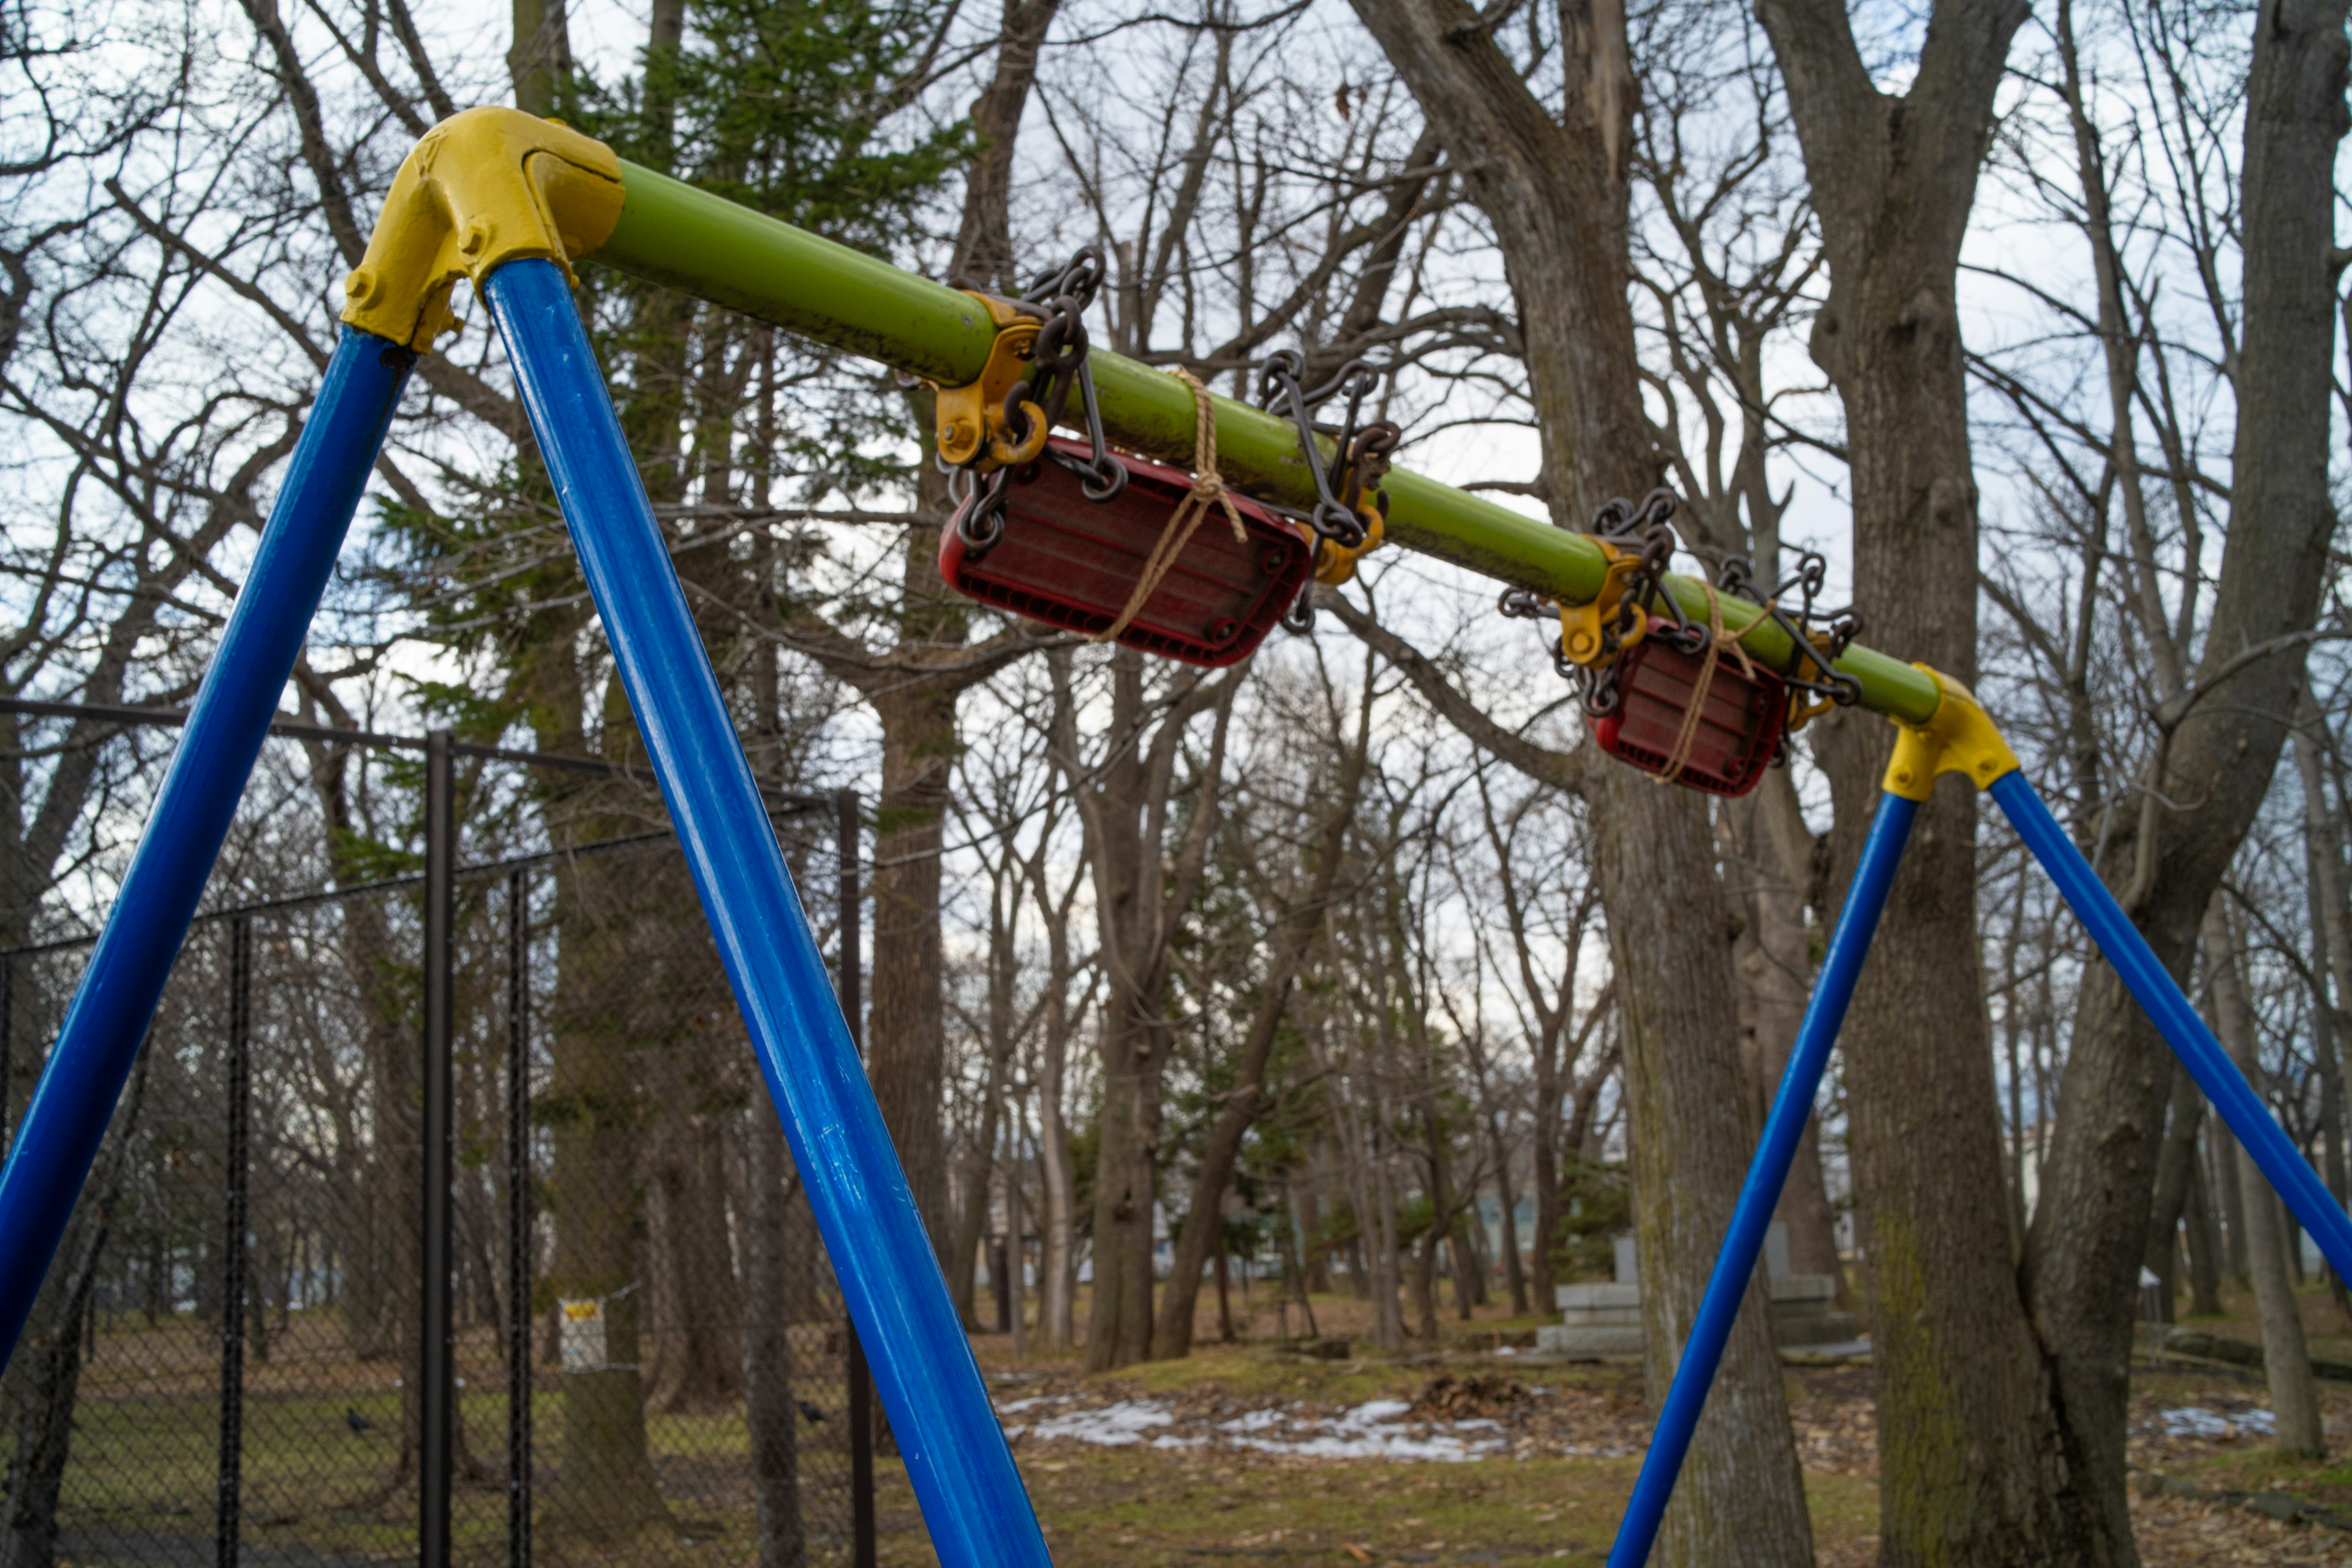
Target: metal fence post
435,1381
518,1219
229,1496
7,1042
849,981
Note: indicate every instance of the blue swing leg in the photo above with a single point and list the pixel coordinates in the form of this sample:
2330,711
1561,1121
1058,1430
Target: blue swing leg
1736,1264
961,1468
100,1038
2183,1030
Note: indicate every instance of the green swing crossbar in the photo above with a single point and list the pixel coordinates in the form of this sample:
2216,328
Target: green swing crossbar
511,203
671,233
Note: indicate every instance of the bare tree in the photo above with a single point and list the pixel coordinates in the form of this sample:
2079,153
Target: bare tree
1296,924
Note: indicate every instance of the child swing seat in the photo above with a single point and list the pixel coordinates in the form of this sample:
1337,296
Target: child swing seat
1060,557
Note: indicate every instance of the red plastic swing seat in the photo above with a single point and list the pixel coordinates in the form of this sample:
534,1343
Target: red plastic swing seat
1737,728
1073,562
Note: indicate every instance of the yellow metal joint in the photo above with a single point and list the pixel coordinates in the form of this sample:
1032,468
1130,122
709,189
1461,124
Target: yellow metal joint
1583,628
1958,738
971,418
479,190
1336,563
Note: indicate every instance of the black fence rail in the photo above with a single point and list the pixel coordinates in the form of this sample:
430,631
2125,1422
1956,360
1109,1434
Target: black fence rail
468,1239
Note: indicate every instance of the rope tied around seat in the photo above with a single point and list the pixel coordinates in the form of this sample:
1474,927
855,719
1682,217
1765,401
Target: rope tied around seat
1684,738
1208,490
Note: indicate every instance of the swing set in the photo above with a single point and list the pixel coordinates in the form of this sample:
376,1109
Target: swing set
1131,535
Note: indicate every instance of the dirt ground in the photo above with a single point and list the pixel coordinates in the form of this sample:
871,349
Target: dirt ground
1467,1456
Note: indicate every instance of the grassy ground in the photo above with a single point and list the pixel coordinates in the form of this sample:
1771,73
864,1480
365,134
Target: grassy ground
145,1448
1136,1505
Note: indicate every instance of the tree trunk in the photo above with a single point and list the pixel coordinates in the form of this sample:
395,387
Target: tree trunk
1056,1261
2234,1204
979,1164
1294,934
538,60
1225,1335
2204,1265
907,1020
701,1353
595,1208
1741,1497
1056,1252
1424,1284
1981,1467
1118,1328
2331,922
2219,752
1513,1273
2286,1358
984,245
1016,1228
1783,846
1543,1154
1383,1252
2176,1173
1140,895
1556,195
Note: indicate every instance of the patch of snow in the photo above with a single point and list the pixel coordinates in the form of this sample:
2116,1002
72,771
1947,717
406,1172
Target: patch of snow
2196,1421
1255,1421
1371,1430
1018,1406
1362,1434
1373,1411
1393,1446
1111,1426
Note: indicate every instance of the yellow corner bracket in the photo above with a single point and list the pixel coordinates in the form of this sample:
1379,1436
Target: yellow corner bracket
1958,738
1336,563
480,189
1583,628
971,421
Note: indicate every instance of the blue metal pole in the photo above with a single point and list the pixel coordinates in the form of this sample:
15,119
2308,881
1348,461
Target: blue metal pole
100,1038
1766,1174
956,1455
2183,1030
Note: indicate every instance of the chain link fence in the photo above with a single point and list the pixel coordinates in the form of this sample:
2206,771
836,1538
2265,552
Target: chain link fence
649,1355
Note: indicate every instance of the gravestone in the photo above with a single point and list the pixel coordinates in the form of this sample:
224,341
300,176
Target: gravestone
1605,1320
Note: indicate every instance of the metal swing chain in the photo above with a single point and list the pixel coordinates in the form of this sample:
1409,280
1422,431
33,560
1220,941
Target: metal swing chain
1360,456
1639,543
1640,540
1818,635
1058,363
1333,518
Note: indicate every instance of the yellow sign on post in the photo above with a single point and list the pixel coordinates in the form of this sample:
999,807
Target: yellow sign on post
583,1334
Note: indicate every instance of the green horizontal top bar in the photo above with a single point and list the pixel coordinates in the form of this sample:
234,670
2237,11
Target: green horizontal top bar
703,244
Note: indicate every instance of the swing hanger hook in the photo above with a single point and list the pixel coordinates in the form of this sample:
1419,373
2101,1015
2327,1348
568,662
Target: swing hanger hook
1816,637
1349,517
1637,540
1061,363
1001,422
